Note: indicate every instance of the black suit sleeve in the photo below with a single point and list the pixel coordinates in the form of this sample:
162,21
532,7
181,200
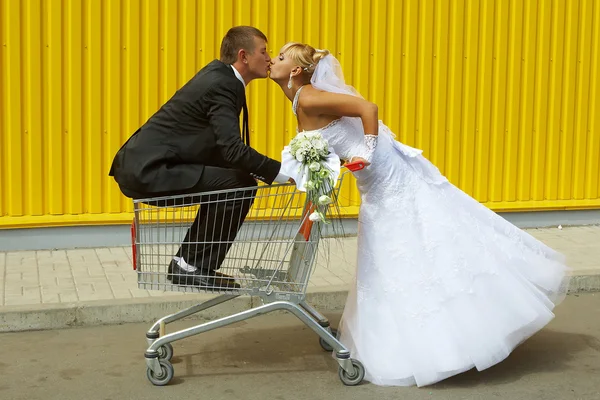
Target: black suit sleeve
223,117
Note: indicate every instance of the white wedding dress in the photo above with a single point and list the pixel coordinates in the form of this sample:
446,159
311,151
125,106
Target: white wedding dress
443,284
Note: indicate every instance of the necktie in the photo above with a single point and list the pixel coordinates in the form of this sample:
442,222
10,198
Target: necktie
246,129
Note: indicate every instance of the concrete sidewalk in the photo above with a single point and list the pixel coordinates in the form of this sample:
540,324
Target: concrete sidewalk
55,289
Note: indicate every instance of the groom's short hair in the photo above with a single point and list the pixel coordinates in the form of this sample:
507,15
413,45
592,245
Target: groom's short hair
239,37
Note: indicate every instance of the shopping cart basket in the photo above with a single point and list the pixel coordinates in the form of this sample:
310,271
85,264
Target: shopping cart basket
271,257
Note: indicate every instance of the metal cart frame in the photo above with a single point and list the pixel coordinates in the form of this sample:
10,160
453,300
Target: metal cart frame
280,236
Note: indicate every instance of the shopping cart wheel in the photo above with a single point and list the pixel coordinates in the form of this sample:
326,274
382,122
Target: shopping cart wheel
359,374
326,345
165,352
166,375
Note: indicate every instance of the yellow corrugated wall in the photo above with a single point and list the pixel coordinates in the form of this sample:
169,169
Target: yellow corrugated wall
503,96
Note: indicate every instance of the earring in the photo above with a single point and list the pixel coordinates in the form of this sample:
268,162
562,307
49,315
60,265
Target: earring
289,85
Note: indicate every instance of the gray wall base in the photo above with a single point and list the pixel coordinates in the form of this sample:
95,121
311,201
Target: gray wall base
119,235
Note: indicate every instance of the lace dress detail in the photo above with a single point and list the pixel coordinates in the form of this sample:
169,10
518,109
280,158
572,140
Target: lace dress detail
443,284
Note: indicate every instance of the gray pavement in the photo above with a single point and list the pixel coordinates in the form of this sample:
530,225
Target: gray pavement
54,289
276,357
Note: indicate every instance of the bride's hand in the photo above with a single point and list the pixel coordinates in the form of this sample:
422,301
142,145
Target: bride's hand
357,159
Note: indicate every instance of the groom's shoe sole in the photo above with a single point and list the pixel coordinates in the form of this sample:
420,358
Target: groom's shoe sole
217,273
178,276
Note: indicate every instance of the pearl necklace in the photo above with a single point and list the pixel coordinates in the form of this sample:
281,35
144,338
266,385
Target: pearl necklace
295,102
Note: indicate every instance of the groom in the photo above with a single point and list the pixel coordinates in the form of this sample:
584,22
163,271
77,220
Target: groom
193,144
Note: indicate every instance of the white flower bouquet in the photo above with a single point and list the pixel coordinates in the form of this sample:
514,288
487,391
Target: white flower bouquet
315,169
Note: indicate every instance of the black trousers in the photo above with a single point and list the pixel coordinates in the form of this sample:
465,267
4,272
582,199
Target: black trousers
219,217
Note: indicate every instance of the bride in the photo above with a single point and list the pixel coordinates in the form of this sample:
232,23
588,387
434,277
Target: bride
443,284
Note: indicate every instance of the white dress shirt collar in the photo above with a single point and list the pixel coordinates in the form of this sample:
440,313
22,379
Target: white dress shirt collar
238,75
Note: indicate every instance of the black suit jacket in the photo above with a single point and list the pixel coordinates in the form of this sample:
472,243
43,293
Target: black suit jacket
198,126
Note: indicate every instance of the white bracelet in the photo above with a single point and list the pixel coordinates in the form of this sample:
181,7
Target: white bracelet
369,149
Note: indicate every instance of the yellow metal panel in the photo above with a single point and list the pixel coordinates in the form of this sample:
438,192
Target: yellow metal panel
592,173
3,110
409,71
556,96
132,46
169,25
499,101
330,9
73,63
275,120
32,110
258,108
425,62
468,117
13,195
376,53
484,102
150,58
525,139
392,60
53,136
568,104
224,15
439,127
542,94
112,96
95,197
501,96
455,90
187,41
241,14
206,32
515,32
582,100
313,23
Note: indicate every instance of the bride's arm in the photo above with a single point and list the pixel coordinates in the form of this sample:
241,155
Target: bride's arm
345,105
342,105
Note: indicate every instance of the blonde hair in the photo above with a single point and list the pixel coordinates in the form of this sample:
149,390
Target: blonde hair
306,56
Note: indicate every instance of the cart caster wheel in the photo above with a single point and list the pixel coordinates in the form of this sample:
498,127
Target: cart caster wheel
166,375
355,379
326,345
165,352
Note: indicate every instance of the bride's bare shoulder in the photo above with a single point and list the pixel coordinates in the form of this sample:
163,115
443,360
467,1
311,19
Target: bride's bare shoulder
310,96
310,91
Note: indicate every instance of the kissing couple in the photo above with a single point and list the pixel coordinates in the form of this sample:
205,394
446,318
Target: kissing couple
443,284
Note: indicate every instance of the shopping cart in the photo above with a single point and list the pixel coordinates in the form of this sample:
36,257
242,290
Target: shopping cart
271,257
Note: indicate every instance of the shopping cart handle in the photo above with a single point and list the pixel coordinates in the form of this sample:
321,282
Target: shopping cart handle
355,166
